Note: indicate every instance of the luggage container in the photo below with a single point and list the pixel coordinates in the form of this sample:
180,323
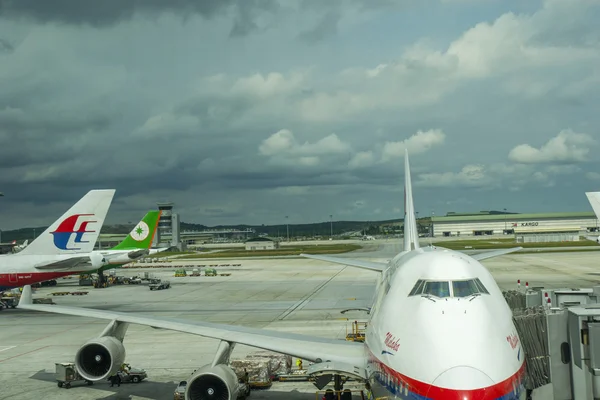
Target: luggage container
66,373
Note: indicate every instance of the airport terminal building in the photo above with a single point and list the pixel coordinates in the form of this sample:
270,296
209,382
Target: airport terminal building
526,227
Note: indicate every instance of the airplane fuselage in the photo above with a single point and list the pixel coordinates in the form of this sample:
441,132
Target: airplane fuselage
450,340
17,270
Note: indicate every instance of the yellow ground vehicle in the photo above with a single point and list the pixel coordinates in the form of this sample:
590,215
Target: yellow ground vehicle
357,332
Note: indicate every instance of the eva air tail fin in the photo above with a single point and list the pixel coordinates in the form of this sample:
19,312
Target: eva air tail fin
411,234
142,235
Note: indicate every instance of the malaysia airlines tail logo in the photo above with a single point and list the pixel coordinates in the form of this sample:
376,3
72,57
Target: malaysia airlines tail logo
66,229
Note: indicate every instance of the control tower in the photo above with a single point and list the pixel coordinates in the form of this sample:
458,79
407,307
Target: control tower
168,225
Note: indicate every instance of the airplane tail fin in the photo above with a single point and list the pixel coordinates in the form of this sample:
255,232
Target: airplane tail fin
142,235
77,230
411,234
594,199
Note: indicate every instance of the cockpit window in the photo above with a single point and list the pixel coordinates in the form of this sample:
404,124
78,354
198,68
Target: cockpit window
437,288
464,288
461,288
418,288
480,286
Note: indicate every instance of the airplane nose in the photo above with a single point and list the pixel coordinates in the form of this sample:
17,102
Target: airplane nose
463,381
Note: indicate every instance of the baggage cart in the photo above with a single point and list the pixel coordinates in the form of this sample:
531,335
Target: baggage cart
66,373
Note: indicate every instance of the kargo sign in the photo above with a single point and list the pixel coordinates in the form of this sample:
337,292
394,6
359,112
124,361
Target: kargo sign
526,224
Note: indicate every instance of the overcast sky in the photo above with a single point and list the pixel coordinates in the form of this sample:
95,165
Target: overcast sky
245,111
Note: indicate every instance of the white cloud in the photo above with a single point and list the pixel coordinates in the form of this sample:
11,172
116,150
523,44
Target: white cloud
309,161
593,176
362,159
167,124
420,142
511,48
279,142
543,178
566,147
267,86
284,142
470,175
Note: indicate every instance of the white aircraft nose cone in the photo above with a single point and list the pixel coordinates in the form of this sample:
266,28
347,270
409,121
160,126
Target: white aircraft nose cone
464,378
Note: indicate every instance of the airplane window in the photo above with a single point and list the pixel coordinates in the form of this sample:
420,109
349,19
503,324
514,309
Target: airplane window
464,288
480,286
418,288
438,289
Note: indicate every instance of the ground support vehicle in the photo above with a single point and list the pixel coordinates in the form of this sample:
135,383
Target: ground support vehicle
66,374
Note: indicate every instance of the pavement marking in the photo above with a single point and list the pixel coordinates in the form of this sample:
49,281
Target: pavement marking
6,348
302,302
22,354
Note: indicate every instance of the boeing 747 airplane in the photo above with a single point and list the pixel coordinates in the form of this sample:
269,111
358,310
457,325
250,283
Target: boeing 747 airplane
65,248
439,328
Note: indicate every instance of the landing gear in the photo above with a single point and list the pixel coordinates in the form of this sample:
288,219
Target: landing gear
338,384
101,282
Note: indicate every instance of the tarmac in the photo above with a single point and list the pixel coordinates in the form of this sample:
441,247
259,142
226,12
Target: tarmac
294,295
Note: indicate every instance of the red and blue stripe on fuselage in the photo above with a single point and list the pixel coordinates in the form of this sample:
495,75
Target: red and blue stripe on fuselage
387,382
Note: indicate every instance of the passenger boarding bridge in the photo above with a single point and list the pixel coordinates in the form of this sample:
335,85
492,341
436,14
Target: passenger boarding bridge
560,331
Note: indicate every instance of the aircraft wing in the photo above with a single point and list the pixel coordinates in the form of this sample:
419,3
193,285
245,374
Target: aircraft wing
66,263
306,347
138,253
370,265
494,253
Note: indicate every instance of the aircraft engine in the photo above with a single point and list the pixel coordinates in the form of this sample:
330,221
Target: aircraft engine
212,383
98,260
100,358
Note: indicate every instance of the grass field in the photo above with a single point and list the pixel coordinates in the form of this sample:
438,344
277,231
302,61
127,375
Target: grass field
285,251
506,243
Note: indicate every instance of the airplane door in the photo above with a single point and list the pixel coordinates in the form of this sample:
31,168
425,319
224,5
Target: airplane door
12,278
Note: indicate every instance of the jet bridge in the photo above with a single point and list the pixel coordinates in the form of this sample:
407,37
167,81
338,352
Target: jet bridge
560,334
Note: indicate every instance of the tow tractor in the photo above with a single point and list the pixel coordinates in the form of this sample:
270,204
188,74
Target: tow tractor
157,284
129,374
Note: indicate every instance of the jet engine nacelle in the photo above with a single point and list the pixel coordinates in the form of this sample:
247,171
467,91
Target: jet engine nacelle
212,383
100,358
98,260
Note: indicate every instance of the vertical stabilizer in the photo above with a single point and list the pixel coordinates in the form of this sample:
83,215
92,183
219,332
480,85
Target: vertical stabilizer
77,230
411,234
594,199
142,235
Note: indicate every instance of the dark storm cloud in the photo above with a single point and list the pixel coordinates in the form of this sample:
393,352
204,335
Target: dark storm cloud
109,12
184,118
38,138
5,46
326,27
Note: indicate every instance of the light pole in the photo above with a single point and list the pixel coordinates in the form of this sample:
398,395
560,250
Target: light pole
287,228
331,226
1,195
505,222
